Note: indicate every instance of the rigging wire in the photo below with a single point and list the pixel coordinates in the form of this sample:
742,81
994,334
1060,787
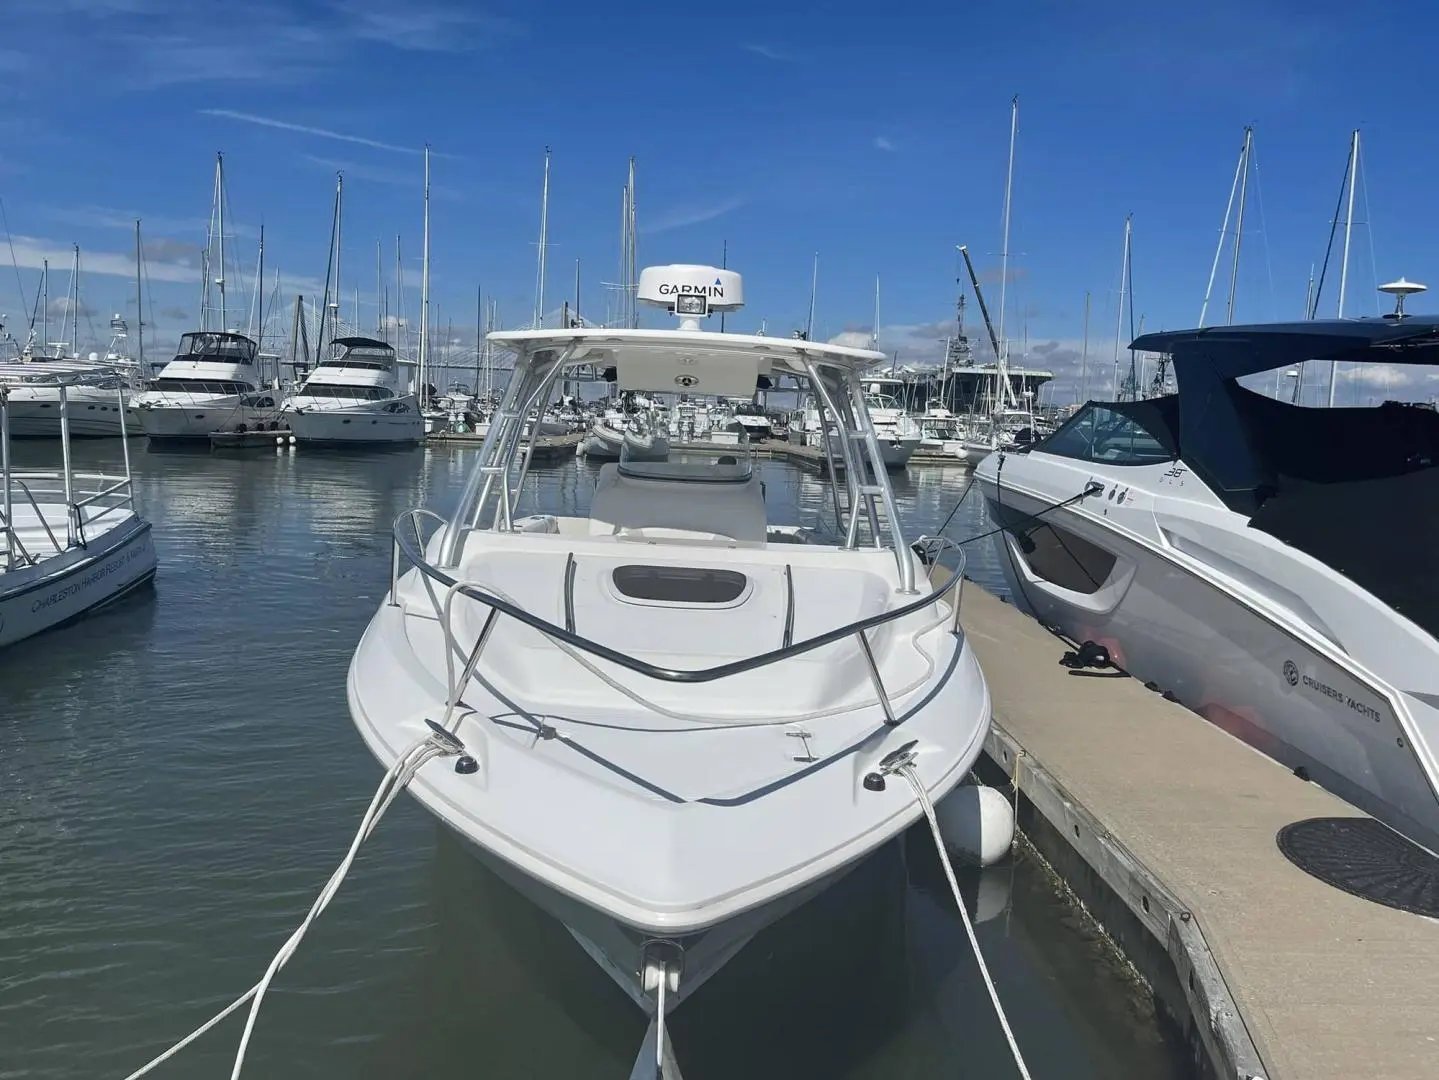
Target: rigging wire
1264,234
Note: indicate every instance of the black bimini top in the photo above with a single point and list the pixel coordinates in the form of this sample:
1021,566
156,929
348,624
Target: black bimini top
1230,352
363,343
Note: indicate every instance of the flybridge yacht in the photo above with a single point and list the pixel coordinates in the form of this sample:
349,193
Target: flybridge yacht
212,385
1273,566
673,720
351,399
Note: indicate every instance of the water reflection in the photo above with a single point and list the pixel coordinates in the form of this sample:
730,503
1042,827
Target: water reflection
179,775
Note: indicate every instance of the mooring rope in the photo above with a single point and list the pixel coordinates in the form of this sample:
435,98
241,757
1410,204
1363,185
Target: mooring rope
394,781
907,771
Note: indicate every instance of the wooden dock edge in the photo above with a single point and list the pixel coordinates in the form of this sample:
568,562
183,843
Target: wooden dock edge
1147,923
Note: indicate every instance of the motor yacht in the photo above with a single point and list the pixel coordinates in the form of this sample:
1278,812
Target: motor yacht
213,384
352,398
678,716
1272,565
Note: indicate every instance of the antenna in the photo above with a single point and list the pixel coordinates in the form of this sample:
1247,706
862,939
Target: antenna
1400,290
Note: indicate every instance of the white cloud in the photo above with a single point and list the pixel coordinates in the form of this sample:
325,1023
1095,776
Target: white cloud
31,254
855,339
882,143
306,129
770,53
104,217
679,217
152,44
424,27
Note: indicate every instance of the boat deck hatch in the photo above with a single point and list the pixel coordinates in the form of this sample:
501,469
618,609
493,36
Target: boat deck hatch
680,584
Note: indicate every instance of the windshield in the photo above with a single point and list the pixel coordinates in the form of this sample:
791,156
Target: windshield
649,458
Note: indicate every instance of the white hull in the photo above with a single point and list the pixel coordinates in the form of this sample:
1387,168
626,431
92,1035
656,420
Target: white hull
200,417
68,585
93,414
1246,669
356,427
615,947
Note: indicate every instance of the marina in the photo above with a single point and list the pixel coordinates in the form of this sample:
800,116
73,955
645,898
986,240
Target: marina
192,879
907,603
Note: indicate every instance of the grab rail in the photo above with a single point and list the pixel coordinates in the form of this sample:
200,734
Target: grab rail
640,667
38,515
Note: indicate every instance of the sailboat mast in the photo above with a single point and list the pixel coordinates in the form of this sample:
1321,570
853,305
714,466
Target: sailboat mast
1119,314
874,334
329,274
633,250
379,290
339,243
1344,266
425,287
1348,221
74,304
1224,229
220,211
539,319
260,294
1005,393
1084,356
139,303
401,339
1239,222
45,303
813,291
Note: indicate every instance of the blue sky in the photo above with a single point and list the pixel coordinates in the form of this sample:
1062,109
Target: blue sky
873,134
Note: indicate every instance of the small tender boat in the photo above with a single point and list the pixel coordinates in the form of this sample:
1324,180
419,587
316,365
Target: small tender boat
69,542
677,720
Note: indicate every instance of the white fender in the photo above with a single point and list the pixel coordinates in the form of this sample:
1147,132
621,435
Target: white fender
976,822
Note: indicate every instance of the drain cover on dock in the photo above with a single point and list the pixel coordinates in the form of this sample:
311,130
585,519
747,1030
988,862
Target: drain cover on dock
1367,859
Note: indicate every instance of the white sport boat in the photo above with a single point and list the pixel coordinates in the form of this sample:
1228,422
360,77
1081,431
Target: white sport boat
673,720
1271,565
69,542
351,399
211,385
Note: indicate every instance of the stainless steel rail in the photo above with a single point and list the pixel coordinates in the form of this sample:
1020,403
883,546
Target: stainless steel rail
410,550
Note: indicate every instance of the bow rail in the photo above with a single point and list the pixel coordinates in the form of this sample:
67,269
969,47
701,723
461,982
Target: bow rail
412,550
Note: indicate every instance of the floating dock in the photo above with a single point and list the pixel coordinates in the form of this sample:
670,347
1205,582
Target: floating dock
1165,827
251,440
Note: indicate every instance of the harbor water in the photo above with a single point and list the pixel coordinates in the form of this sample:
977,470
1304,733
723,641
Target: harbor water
179,776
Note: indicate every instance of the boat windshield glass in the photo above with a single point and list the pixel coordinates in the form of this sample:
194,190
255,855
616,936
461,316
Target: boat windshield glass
1116,433
217,347
647,458
376,355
